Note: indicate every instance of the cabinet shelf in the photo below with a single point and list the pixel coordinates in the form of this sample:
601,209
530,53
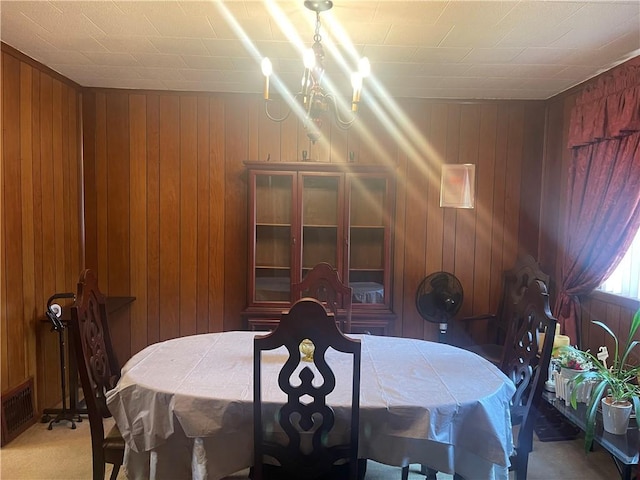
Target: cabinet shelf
278,225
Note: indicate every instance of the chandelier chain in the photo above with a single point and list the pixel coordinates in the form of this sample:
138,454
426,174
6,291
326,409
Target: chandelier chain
317,37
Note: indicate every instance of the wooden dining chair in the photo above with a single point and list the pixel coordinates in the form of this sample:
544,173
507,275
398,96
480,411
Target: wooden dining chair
514,284
527,369
306,420
323,283
99,372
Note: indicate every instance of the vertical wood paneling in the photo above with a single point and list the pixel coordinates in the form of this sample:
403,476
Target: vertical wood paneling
435,221
269,134
485,169
56,186
40,248
50,351
532,151
89,145
169,217
551,185
102,198
236,216
203,192
465,233
76,245
118,188
513,178
217,216
188,214
40,298
289,151
498,264
153,219
415,229
27,199
451,156
138,219
255,110
11,193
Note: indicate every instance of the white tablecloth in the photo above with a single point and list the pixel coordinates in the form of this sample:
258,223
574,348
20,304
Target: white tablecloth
184,407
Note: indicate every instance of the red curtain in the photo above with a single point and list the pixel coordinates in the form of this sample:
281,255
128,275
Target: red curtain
603,191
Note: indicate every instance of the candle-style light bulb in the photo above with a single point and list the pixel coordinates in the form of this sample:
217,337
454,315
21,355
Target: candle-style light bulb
364,67
309,58
267,69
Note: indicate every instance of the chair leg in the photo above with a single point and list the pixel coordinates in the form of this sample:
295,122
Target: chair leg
428,472
98,467
520,464
405,473
114,472
362,468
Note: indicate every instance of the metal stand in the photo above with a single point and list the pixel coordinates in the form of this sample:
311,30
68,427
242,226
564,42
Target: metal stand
54,312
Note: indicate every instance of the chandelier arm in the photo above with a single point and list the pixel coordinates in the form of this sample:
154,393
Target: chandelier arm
271,117
340,122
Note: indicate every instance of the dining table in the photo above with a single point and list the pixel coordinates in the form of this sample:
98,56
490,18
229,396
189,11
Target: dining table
185,407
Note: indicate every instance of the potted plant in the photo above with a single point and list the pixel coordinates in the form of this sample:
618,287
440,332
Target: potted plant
614,387
572,361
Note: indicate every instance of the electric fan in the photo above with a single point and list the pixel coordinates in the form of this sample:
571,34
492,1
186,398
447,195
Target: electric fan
439,298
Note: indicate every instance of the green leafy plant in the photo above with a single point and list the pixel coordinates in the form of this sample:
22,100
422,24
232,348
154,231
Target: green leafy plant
617,381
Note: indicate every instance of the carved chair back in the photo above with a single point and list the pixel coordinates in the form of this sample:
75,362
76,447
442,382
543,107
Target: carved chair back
514,285
526,367
306,420
98,369
323,283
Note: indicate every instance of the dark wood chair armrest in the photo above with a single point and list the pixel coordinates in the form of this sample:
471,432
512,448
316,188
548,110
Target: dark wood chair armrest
485,316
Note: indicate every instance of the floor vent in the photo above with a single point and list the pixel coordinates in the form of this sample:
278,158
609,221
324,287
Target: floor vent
17,411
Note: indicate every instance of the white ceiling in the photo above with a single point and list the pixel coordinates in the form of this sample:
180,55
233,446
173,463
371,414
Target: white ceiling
426,49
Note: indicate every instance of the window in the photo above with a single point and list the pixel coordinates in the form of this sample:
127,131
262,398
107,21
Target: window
625,280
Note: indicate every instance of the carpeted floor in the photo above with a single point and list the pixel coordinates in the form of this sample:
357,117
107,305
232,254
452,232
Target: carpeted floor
65,454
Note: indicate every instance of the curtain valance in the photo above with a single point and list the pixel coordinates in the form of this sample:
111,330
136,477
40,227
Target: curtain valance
607,108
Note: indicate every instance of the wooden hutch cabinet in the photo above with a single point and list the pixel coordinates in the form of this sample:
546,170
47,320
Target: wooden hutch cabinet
301,214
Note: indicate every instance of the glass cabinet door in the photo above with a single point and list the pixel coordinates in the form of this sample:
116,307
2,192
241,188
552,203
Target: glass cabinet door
273,207
322,225
368,238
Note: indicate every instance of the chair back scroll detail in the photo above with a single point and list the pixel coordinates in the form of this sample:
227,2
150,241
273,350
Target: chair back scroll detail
306,412
98,370
323,283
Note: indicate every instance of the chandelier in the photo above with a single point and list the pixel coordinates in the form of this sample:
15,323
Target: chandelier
312,97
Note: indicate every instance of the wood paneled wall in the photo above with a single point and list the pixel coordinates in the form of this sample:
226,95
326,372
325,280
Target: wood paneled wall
614,311
41,229
166,213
